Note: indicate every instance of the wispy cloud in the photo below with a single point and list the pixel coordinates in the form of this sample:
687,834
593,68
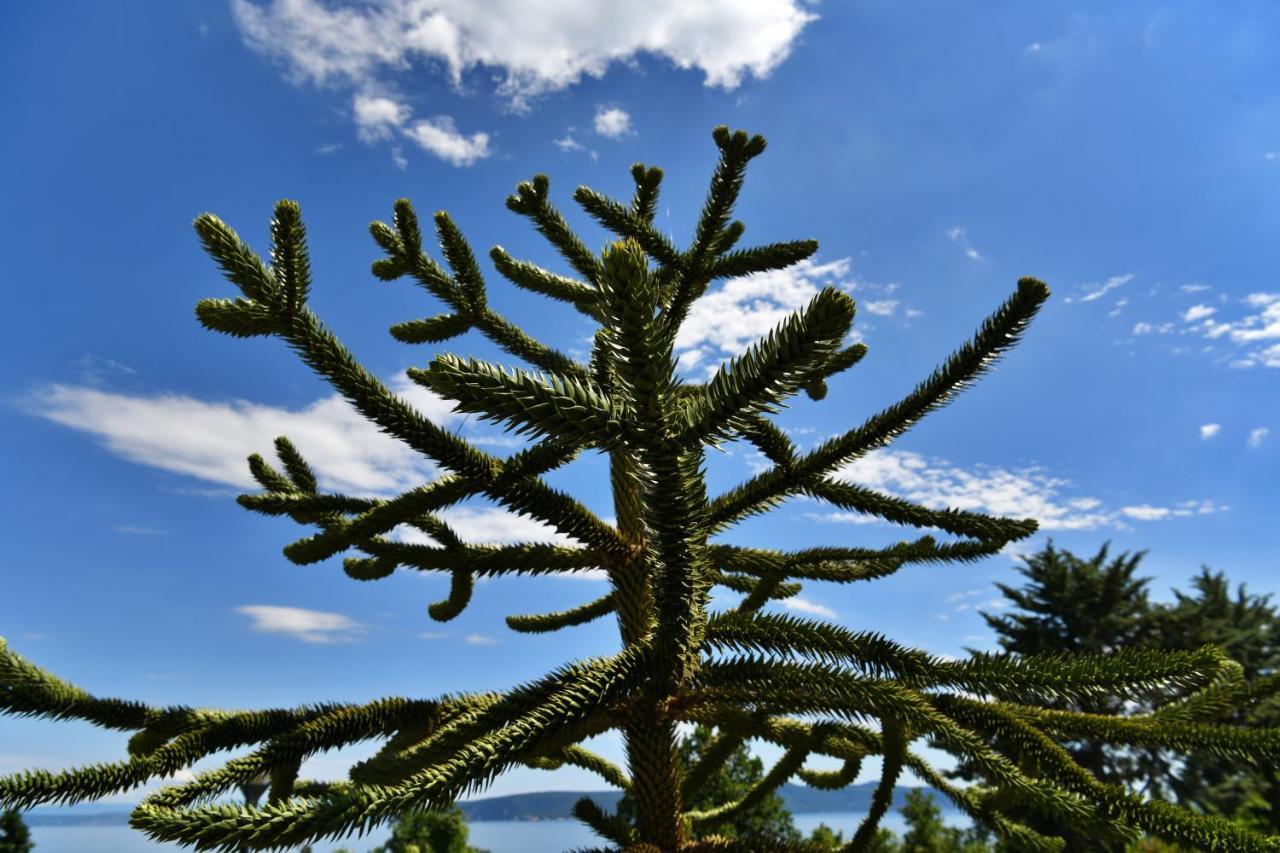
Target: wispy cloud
211,440
1254,332
1198,312
138,530
1257,436
1094,292
481,640
309,626
1015,493
879,307
959,235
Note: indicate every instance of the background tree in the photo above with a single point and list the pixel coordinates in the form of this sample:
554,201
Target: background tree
441,831
1070,604
1247,628
809,687
14,835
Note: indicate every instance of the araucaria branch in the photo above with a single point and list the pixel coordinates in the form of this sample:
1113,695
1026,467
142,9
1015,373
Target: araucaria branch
810,687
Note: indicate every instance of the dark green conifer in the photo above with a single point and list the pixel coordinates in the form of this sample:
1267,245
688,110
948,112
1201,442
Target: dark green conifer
14,835
810,687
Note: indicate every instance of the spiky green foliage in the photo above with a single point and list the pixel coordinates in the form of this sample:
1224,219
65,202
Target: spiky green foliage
810,688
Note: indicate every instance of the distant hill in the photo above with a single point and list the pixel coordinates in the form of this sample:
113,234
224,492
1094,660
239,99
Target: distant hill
556,805
542,805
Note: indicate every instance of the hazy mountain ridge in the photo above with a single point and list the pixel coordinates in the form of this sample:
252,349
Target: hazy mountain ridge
539,805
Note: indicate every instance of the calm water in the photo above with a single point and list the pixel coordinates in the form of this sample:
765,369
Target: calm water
497,836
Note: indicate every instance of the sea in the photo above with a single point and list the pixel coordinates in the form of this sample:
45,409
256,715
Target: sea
506,836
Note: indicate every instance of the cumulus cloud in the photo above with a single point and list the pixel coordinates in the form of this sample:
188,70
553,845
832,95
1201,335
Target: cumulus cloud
529,47
309,626
440,136
378,118
1016,493
1208,431
810,608
534,46
730,318
612,122
1257,436
211,440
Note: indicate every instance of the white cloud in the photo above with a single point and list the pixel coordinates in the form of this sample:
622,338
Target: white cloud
1194,288
1013,493
309,626
481,640
730,318
881,307
440,136
1098,291
1198,312
378,118
1254,332
568,143
1257,436
528,47
612,122
211,441
1208,431
491,525
1035,47
812,608
329,148
958,235
1146,512
1152,329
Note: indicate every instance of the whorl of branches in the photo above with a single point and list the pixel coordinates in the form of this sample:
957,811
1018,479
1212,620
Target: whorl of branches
812,688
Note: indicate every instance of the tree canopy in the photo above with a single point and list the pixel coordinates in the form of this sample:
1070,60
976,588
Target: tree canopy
810,687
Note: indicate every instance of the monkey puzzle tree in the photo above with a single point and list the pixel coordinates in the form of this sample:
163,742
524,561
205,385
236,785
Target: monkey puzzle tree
812,688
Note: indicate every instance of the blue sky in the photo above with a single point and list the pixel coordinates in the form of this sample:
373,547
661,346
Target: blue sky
1128,156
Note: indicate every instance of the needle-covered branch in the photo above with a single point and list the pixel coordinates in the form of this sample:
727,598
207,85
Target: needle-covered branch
812,689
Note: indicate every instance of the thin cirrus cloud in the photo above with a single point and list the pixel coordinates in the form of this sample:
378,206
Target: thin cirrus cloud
309,626
532,48
1015,493
211,440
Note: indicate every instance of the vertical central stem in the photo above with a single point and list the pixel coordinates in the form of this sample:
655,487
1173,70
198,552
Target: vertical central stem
649,735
